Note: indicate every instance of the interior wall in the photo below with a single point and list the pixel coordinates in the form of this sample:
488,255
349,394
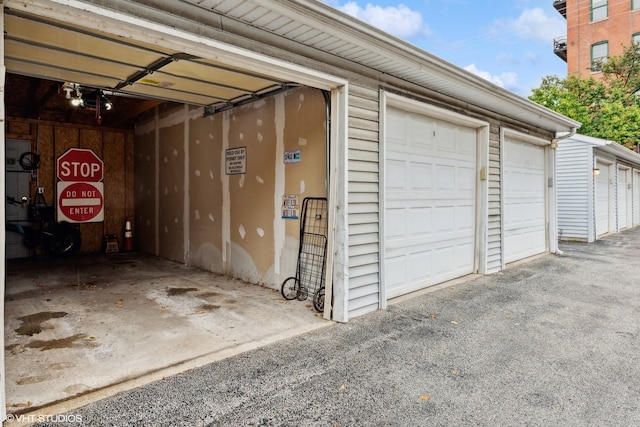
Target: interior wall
205,193
145,223
113,146
234,223
251,194
171,156
305,129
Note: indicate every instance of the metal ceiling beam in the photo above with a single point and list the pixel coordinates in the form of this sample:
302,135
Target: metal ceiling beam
155,66
222,106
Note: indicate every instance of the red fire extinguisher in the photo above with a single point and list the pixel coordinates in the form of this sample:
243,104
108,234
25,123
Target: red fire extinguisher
128,235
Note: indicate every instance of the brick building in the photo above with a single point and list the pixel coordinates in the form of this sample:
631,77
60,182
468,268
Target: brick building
596,29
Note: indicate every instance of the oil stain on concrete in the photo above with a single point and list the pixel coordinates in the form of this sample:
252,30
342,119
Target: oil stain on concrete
32,324
67,342
179,291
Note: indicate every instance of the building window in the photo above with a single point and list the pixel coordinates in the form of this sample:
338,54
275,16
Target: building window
635,4
599,10
599,53
636,39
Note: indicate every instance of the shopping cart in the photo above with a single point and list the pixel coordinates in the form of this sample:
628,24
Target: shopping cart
312,255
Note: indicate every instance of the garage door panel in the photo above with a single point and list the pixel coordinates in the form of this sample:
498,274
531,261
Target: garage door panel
395,224
431,202
636,197
420,137
466,217
446,177
395,271
603,199
622,198
419,222
524,213
420,265
465,183
421,176
467,250
395,175
525,205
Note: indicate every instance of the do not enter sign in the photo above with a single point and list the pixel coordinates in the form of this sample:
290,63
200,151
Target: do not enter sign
80,201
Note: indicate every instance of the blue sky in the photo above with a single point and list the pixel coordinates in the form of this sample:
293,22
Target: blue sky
508,42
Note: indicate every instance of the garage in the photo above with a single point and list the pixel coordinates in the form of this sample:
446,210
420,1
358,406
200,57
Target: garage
198,149
636,197
624,198
603,198
525,198
597,187
214,122
430,198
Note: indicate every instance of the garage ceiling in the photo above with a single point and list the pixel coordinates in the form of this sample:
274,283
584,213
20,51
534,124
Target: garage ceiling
56,52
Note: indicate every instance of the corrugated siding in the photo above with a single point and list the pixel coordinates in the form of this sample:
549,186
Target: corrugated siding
494,224
572,166
364,207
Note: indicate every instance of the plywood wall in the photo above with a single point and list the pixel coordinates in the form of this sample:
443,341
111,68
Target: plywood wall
114,147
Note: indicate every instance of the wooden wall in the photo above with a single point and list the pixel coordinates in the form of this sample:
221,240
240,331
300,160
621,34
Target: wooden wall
113,146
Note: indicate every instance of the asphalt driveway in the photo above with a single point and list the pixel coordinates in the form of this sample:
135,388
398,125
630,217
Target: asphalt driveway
548,342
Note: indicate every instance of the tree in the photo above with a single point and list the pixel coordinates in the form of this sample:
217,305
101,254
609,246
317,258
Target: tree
608,108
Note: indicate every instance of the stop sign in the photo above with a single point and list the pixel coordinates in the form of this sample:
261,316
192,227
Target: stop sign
80,165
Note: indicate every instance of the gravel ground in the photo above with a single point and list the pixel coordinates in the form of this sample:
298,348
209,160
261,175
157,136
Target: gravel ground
553,341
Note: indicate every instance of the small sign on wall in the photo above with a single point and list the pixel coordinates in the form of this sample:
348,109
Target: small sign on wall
292,156
236,160
290,206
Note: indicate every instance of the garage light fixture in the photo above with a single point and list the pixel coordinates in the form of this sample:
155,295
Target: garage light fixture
73,92
596,171
93,100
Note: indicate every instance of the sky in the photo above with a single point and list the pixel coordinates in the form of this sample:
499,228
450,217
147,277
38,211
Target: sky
508,42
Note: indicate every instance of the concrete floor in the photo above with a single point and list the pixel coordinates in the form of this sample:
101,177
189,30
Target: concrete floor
81,329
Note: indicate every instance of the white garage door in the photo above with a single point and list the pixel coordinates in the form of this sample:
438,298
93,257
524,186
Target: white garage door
603,199
636,197
430,202
623,200
524,200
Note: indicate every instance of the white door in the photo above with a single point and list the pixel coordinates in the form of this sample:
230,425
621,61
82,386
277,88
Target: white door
603,199
16,186
525,204
636,197
430,202
623,199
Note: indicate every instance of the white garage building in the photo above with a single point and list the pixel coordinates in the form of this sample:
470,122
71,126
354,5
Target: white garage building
431,172
598,188
437,172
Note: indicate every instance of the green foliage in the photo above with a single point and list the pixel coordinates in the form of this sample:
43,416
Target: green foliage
608,108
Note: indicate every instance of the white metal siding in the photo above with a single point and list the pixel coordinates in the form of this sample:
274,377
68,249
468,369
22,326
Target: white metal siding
524,200
573,167
363,189
430,206
494,220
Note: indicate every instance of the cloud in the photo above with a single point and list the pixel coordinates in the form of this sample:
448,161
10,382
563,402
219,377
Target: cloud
398,20
532,25
507,80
